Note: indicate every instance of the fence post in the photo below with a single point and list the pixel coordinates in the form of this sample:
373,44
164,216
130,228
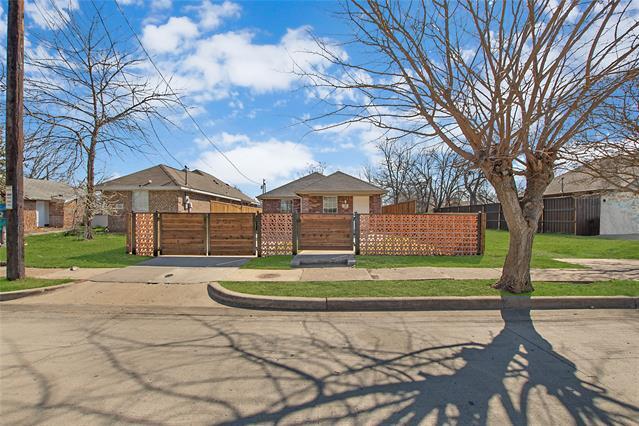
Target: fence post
296,227
156,239
499,217
207,229
133,234
258,225
356,227
128,233
481,230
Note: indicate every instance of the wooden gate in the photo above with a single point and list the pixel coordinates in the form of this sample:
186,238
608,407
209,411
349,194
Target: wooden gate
325,232
232,234
183,233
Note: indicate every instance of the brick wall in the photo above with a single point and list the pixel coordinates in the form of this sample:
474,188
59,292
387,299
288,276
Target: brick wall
315,204
73,214
375,204
273,206
164,201
56,214
117,220
311,204
342,201
201,203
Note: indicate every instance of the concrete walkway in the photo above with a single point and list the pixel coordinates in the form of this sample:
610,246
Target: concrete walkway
602,270
194,273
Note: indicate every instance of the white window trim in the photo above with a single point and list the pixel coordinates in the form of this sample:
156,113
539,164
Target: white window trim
324,199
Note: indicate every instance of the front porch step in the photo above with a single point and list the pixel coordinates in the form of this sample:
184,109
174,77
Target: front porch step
323,260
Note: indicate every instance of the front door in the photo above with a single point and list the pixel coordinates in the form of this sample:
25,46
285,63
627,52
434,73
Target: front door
361,204
42,213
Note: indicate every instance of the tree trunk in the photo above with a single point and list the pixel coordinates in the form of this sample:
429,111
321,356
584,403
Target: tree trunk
522,217
90,195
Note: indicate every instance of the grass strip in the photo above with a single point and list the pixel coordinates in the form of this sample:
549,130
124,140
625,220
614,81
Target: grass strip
425,288
27,283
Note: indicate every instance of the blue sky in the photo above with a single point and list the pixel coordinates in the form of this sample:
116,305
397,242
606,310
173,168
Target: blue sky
232,62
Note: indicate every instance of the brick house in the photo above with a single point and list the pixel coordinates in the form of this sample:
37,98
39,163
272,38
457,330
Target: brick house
315,193
165,189
49,204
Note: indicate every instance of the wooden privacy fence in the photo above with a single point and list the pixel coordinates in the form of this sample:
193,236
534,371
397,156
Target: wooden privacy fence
150,234
269,234
405,207
565,215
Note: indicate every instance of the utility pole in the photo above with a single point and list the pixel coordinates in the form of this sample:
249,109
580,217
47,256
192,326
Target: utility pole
15,140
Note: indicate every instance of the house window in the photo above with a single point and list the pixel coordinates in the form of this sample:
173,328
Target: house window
330,205
286,206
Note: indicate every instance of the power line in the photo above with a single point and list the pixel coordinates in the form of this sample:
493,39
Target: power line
186,110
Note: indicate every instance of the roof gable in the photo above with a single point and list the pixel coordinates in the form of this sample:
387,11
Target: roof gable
290,189
340,183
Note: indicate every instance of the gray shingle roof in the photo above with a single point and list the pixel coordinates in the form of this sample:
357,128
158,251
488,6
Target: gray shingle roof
316,183
585,180
289,190
340,183
168,177
41,189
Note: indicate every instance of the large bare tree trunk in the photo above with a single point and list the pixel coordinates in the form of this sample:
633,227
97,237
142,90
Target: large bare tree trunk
90,196
522,216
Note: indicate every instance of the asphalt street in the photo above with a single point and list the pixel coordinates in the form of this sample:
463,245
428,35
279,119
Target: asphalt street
156,365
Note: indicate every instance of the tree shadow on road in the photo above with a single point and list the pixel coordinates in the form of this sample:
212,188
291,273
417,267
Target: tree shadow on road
331,369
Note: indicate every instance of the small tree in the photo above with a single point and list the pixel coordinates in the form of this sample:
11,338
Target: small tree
90,89
505,85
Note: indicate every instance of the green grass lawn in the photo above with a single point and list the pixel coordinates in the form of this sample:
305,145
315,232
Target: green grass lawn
60,250
433,288
546,248
27,283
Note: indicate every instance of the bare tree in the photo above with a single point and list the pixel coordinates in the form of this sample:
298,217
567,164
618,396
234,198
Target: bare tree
394,173
505,85
447,173
89,88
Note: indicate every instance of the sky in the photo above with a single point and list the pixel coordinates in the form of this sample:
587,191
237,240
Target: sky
232,63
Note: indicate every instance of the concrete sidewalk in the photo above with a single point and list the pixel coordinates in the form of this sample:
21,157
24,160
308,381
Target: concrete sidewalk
603,270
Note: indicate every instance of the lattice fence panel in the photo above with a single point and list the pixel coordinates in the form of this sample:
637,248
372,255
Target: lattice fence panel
144,234
419,234
276,234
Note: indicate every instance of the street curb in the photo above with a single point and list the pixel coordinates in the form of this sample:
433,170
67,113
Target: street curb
250,301
17,294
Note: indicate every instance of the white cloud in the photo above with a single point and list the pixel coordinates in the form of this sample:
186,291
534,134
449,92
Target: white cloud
212,14
161,4
212,66
50,13
169,37
272,159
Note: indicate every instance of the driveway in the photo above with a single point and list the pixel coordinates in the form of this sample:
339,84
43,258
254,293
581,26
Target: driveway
66,365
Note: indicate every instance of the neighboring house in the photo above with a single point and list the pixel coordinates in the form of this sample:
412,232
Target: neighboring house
165,189
617,209
315,193
49,204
